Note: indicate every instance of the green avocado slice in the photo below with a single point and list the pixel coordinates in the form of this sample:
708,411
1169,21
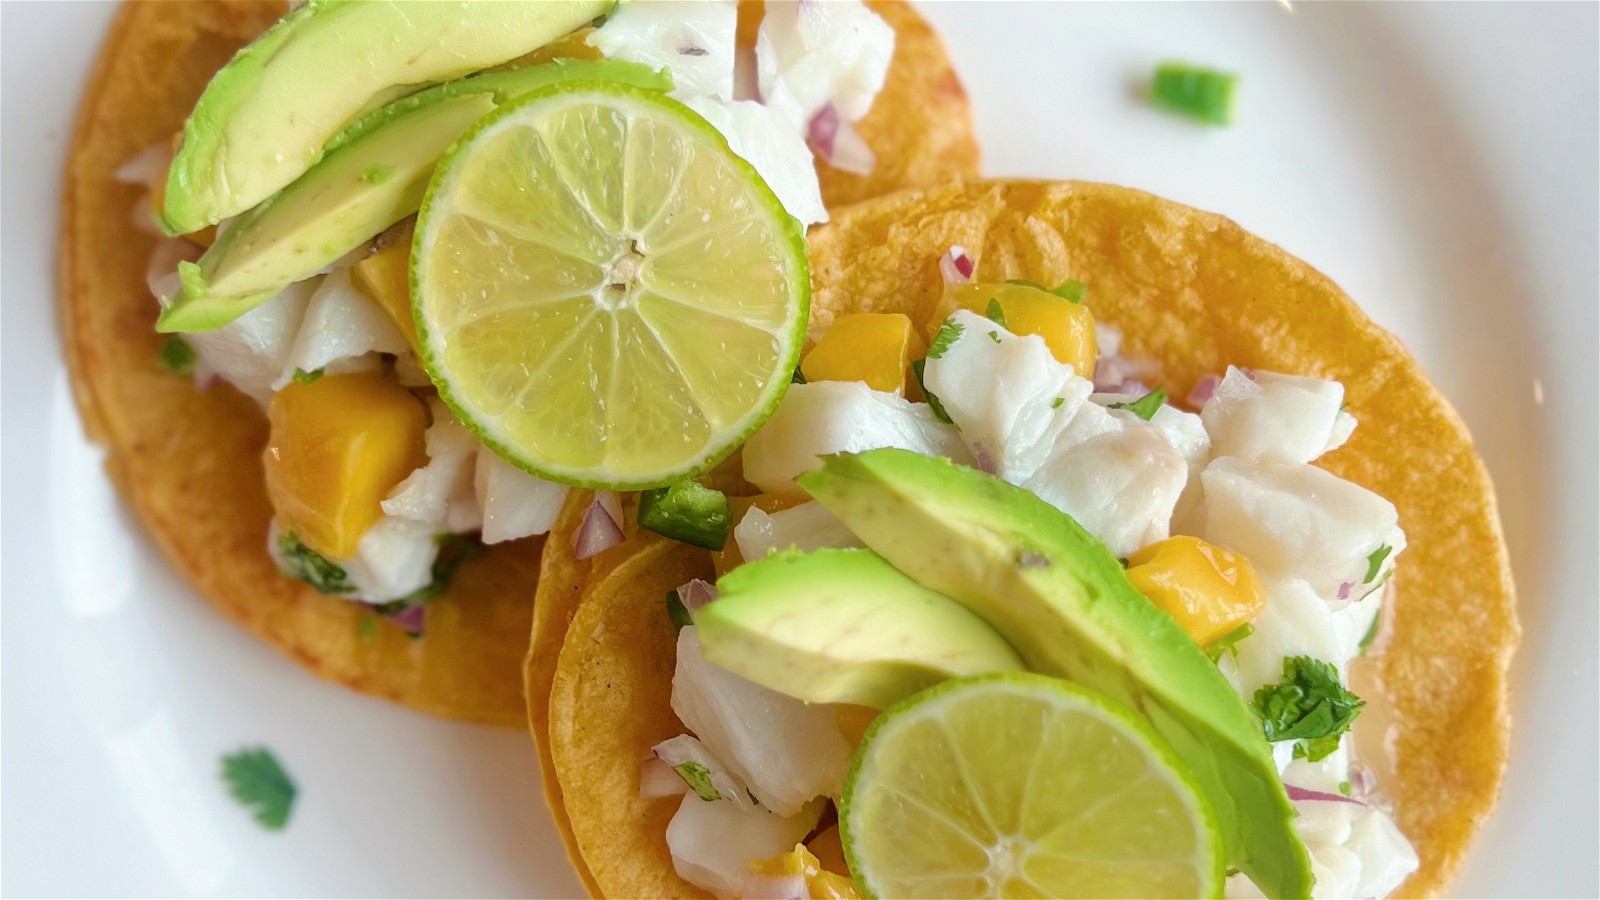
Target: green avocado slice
1063,602
843,626
373,176
266,117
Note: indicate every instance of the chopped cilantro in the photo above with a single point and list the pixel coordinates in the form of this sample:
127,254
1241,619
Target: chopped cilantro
377,173
176,356
1056,403
677,613
1145,407
1070,291
1123,560
949,333
994,336
689,512
1205,95
933,402
312,567
257,781
301,376
698,778
1229,643
996,314
1344,788
1375,562
1308,705
798,377
1371,635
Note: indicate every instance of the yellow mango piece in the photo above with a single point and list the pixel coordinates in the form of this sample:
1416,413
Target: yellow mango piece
799,863
873,347
1067,327
338,446
385,276
1209,590
729,558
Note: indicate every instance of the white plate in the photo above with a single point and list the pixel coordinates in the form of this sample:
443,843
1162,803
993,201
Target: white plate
1437,160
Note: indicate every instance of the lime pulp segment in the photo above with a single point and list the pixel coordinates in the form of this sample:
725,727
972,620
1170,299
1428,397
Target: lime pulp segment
1020,785
603,291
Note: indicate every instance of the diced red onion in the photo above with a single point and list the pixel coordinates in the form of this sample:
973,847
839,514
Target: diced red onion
601,528
1248,373
984,457
413,619
956,266
146,168
837,142
1345,587
657,779
696,593
1299,793
161,275
1203,389
1123,375
692,50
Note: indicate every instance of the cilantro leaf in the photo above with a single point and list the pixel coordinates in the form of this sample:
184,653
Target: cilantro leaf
301,376
1229,643
698,778
1371,635
994,336
1145,407
1375,562
798,377
1309,705
1069,290
996,314
933,402
677,613
176,356
312,567
1056,403
949,333
257,781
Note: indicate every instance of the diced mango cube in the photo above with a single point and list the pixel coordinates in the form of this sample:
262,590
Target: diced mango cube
338,446
1067,327
729,558
1209,590
820,883
385,276
873,347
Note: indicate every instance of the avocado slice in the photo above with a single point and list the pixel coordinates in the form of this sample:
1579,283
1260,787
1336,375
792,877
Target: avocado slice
843,626
1063,602
374,175
266,117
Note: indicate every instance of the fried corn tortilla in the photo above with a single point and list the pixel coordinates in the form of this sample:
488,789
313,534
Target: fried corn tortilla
188,461
1196,293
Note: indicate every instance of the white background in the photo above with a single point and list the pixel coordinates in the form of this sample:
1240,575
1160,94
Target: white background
1437,160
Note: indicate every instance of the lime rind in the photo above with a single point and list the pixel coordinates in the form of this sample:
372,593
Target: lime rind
1164,761
789,240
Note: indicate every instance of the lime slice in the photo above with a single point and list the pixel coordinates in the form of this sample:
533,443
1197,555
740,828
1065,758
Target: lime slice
604,292
1019,785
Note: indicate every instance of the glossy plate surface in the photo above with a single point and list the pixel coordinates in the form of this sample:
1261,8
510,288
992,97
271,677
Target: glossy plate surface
1437,160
